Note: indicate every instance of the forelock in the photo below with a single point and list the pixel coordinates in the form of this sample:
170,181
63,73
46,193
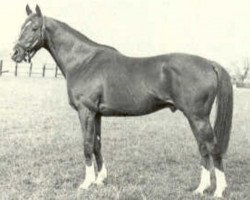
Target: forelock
28,21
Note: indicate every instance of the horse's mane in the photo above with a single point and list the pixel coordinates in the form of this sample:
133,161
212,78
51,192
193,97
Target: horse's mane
81,36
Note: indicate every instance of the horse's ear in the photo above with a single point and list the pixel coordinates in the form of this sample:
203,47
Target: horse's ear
38,11
28,10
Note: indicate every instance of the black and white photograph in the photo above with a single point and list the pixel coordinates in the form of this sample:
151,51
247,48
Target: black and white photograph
124,100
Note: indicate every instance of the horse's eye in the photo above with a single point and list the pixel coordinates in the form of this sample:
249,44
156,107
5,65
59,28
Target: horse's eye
34,28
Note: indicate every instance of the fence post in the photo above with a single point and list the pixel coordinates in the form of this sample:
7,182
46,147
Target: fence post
16,69
44,69
30,72
1,67
56,71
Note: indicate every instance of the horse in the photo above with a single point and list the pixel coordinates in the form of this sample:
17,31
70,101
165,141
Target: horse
101,82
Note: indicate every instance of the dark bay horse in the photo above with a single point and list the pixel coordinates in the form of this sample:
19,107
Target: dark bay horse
103,82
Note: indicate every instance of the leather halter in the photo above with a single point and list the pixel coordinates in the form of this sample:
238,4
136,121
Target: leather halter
30,51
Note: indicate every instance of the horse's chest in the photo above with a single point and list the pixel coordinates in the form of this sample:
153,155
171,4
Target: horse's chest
85,95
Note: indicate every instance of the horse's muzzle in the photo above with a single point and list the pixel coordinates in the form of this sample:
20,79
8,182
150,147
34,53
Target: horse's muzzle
18,54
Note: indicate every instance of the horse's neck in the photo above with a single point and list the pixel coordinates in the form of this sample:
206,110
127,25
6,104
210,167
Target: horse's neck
68,47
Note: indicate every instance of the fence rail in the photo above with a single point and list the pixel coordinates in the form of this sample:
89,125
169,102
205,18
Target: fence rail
31,71
1,68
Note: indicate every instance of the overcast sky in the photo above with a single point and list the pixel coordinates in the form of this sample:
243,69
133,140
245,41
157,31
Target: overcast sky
216,29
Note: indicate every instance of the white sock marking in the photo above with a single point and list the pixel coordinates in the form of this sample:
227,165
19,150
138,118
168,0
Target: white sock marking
221,183
102,175
89,177
205,181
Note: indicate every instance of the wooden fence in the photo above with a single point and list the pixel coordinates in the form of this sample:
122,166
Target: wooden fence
1,68
45,68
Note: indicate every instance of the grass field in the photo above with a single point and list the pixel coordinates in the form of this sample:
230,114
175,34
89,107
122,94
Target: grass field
150,157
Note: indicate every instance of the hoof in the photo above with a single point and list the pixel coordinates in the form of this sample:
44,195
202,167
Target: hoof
85,185
99,182
102,176
218,194
89,177
198,192
221,183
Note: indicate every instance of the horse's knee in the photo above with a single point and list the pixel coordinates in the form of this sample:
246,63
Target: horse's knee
88,151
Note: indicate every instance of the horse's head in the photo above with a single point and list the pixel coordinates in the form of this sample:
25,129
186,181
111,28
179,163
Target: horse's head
31,37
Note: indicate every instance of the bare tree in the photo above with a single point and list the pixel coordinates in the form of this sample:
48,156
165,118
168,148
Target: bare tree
242,70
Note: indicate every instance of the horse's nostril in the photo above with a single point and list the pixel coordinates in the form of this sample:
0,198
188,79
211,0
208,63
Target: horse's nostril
16,52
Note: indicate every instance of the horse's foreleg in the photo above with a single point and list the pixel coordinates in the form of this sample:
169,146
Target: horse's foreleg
87,119
102,171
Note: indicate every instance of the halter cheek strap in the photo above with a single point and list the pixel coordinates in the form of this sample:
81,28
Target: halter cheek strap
43,29
42,35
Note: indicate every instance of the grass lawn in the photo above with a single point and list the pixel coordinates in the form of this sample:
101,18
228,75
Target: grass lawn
150,157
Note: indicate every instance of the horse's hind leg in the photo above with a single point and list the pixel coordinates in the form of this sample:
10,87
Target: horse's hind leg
221,183
102,171
205,170
203,132
206,139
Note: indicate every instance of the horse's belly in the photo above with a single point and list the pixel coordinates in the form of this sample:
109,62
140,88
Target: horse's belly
132,97
130,108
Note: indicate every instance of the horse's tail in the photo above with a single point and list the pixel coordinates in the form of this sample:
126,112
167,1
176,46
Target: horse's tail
223,121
